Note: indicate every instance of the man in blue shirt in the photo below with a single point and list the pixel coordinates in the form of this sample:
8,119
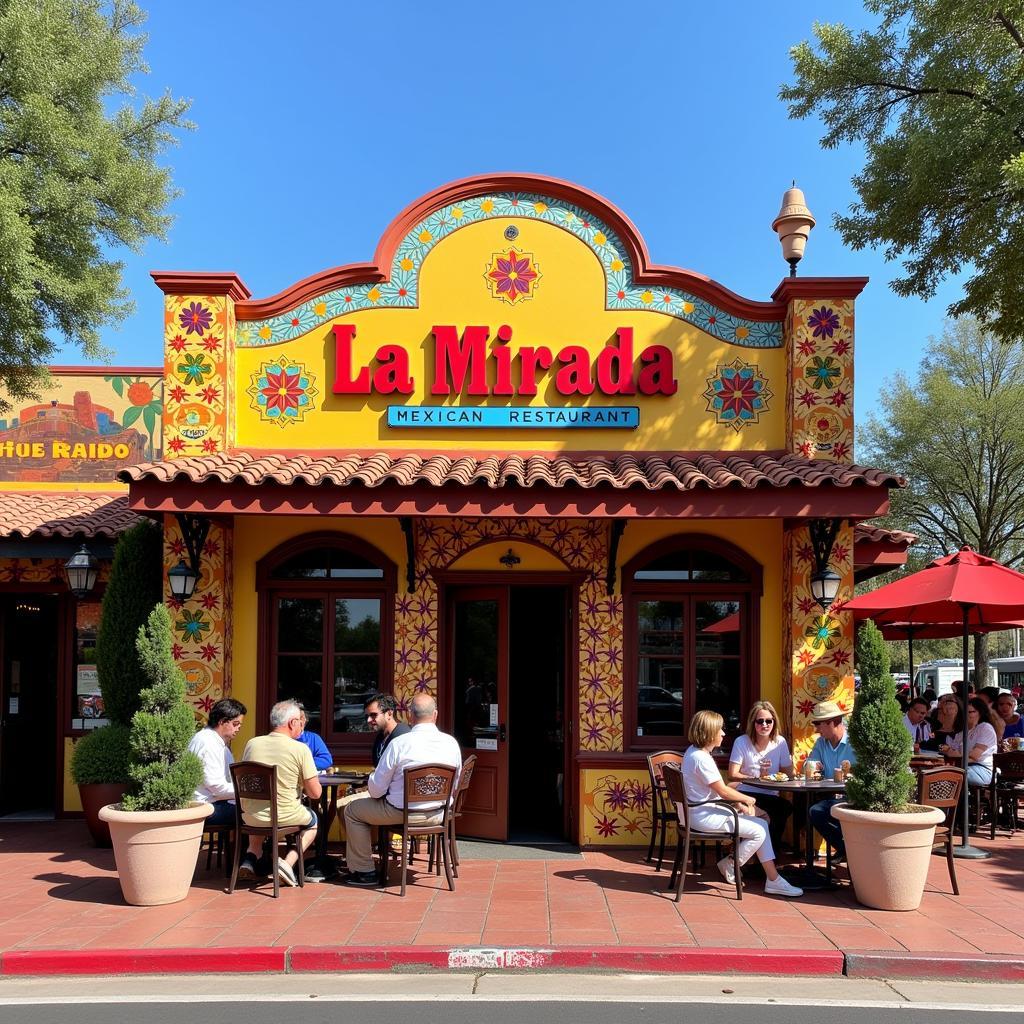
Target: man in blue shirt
831,749
321,755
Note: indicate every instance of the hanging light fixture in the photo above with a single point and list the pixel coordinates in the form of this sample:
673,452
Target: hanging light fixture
824,581
81,570
182,579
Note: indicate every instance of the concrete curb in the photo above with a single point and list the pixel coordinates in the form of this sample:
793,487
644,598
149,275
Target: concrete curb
935,966
623,959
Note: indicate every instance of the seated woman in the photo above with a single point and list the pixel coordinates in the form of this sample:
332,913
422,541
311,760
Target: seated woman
945,722
762,743
981,743
1013,724
703,782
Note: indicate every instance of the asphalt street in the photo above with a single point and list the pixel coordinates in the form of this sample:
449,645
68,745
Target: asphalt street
500,999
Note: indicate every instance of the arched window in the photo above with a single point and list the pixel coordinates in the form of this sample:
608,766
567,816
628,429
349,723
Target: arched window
692,637
326,624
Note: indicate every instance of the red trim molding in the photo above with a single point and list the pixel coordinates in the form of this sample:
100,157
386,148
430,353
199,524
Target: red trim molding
819,288
148,496
645,272
106,371
177,282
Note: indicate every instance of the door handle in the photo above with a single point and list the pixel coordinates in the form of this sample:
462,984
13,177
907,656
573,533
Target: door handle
501,732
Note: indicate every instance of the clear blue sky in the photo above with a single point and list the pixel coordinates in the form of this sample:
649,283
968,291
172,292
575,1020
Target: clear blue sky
317,122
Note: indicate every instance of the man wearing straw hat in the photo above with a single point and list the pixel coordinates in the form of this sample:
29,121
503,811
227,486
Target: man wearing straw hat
831,749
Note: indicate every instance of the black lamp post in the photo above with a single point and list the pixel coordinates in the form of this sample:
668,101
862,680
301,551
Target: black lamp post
81,570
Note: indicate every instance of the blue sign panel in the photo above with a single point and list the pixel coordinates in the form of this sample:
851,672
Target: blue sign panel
622,417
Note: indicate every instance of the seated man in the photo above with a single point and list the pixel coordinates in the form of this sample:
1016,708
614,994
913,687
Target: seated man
322,757
384,799
380,711
915,721
831,748
211,746
296,774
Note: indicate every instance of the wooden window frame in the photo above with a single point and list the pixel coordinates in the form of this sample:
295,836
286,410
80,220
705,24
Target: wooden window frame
689,593
269,590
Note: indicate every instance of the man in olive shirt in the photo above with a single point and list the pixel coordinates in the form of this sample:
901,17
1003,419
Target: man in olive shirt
296,774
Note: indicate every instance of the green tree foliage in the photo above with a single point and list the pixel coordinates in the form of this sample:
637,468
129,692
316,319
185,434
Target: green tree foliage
957,434
164,773
78,175
935,94
882,779
102,755
135,583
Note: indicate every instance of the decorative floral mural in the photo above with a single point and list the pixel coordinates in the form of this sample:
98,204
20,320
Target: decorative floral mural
202,624
512,277
616,809
582,546
737,394
197,332
282,391
402,286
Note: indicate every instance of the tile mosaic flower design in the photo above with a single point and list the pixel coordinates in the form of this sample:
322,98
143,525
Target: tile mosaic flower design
512,276
282,391
737,394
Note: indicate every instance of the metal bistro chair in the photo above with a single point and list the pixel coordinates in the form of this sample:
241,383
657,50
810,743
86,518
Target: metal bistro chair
217,838
677,799
255,781
1009,784
941,787
662,812
427,784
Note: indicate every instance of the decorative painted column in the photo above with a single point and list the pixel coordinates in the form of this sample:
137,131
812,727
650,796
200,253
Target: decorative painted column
818,646
199,341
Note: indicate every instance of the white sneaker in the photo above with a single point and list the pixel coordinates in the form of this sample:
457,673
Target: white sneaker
286,873
727,870
780,887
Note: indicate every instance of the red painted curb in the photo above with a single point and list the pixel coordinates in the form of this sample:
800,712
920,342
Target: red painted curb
218,960
642,959
935,966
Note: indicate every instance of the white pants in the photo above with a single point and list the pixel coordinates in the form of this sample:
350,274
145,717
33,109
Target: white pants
754,836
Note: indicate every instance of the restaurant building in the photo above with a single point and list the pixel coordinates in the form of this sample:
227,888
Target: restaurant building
510,461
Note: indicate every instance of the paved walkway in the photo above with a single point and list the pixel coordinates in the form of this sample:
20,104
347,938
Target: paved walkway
58,892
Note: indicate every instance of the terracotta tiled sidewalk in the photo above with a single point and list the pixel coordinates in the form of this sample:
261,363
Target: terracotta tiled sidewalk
58,892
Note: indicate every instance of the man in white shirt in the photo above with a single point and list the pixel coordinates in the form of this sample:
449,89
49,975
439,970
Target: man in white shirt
211,745
384,799
915,721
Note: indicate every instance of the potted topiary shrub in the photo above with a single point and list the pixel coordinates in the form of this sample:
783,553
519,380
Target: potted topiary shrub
157,828
888,839
99,762
99,767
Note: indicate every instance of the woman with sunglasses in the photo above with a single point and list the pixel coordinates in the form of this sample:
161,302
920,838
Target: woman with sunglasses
762,744
945,722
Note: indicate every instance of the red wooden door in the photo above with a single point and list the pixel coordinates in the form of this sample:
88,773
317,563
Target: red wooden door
478,645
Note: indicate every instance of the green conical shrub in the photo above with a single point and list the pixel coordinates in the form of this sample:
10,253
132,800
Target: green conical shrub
882,779
164,773
136,578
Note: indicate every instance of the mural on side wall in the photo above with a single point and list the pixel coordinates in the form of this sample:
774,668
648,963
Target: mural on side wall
83,428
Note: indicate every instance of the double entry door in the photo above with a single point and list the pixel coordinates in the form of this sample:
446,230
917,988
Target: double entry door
507,685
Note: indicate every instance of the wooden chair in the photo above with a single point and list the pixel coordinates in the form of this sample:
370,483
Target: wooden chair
217,838
427,784
676,796
662,811
941,787
458,808
255,781
1008,768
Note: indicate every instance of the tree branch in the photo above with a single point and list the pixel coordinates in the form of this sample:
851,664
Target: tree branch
1011,29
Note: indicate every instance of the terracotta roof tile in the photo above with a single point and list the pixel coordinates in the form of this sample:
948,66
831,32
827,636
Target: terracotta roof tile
51,514
586,470
869,533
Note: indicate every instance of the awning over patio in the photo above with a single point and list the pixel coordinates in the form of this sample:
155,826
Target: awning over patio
877,550
579,484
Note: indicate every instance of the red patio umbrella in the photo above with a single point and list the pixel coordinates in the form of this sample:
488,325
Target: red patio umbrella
964,588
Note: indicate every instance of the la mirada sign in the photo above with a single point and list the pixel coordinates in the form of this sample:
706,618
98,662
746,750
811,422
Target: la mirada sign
475,363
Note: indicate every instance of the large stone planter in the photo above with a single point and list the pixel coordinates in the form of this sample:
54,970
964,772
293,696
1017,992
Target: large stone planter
156,851
888,854
94,796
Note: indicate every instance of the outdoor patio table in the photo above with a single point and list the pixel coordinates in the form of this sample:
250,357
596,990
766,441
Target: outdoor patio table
327,808
809,793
